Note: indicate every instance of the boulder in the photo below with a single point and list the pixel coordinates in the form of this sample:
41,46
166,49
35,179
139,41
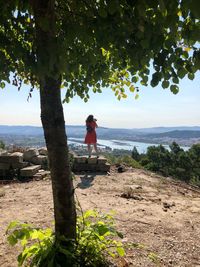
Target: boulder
30,153
43,151
39,160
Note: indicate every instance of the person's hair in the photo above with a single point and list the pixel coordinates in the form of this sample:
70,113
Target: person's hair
90,118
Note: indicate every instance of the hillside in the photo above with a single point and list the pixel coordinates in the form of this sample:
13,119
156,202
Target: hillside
33,136
177,134
160,213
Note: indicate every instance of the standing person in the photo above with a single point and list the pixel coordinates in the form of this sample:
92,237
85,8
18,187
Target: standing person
91,136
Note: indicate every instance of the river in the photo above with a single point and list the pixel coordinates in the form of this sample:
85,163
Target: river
119,144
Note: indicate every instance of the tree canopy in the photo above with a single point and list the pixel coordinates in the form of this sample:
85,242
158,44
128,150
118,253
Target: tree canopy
96,44
85,45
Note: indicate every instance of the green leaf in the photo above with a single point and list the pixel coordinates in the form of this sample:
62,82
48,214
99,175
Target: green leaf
191,76
2,85
134,79
12,225
165,84
132,88
12,240
136,96
175,80
121,251
181,73
89,213
174,89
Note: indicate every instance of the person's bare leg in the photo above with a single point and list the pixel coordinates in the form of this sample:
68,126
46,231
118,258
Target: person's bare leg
96,150
89,150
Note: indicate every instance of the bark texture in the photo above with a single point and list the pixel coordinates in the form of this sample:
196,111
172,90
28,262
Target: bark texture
53,121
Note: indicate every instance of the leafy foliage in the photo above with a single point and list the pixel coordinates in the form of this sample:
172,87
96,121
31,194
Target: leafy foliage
178,163
97,44
2,145
92,248
122,159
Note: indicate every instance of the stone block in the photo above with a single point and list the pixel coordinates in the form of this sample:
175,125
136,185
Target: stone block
14,165
92,160
11,158
78,167
91,167
29,171
4,166
30,153
39,160
80,159
43,151
18,155
41,174
101,160
103,167
19,165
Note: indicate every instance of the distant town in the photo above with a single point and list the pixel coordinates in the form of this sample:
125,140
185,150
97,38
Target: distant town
31,136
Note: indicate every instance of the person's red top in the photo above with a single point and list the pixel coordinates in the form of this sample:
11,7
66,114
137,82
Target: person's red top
91,137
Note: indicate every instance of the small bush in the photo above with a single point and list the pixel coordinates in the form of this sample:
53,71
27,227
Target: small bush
128,160
2,145
94,245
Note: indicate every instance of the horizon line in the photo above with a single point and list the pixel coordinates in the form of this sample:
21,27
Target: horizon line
78,125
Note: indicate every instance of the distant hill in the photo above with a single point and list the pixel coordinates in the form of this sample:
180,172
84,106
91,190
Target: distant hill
167,129
177,134
103,132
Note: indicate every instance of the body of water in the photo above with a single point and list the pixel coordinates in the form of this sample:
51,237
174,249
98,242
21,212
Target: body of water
119,144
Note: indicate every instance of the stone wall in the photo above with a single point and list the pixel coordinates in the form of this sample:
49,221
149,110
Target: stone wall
33,163
92,164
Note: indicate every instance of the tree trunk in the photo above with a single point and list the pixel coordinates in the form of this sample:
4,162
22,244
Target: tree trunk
53,120
54,130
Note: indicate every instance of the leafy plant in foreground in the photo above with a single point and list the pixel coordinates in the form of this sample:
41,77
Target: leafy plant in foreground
93,247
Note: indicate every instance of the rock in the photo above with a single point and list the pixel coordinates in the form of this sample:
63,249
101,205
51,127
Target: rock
103,167
80,159
39,160
43,151
41,174
29,171
121,169
16,157
92,160
4,166
19,165
101,160
30,153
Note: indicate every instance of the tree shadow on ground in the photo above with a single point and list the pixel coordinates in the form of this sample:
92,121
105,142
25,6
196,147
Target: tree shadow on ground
86,181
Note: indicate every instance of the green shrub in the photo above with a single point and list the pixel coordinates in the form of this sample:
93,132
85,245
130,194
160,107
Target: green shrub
126,159
94,245
2,145
129,161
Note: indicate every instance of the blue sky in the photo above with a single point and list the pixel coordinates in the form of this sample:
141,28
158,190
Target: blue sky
155,107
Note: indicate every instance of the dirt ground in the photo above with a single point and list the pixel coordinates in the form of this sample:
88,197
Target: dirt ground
161,214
